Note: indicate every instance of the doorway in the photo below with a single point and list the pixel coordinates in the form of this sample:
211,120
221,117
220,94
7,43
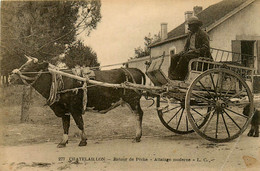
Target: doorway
247,51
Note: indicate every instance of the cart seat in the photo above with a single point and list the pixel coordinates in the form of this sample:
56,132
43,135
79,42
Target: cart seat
155,73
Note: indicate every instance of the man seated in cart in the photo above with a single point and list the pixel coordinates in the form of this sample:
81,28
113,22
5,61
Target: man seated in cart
197,45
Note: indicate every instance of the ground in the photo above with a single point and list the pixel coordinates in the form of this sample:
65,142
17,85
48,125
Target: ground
32,145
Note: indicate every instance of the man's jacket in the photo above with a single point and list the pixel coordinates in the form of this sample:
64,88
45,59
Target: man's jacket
201,43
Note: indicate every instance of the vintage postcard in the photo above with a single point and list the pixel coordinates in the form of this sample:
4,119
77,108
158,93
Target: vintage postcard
130,85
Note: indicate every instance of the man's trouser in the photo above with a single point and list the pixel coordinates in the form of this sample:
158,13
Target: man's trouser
179,65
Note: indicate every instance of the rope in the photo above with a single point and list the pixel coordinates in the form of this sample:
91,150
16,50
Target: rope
56,85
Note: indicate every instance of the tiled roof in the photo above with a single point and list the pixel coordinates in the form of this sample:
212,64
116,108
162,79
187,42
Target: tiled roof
208,16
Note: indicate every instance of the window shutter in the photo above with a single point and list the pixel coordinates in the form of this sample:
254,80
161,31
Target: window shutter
236,48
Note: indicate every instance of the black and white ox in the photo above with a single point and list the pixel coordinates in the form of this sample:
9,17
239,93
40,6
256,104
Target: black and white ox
99,98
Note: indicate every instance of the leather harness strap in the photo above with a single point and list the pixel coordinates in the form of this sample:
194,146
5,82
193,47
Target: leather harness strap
126,71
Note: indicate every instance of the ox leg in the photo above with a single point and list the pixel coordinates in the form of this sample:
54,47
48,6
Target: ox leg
79,122
138,121
256,131
66,125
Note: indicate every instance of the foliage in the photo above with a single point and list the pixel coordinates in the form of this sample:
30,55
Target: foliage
43,29
148,40
78,54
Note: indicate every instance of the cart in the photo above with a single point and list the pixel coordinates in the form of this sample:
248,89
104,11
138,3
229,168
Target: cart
210,101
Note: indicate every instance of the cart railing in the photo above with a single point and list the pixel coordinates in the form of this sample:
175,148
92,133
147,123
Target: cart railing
224,55
222,58
199,65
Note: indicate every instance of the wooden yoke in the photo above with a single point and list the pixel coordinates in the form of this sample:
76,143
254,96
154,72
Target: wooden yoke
155,73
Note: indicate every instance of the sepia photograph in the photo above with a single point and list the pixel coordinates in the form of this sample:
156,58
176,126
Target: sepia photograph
114,85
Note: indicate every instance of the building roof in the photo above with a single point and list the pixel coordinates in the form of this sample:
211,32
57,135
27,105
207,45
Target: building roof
210,16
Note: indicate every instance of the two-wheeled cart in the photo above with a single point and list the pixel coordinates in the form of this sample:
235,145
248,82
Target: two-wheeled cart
210,101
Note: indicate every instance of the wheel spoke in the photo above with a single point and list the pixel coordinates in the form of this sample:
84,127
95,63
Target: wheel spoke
229,88
209,111
216,135
225,124
198,112
237,113
232,120
230,103
171,109
221,84
207,90
235,95
214,86
180,119
204,130
174,116
194,120
202,98
204,106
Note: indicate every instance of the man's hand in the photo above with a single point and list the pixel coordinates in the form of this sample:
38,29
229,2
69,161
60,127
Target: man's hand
193,51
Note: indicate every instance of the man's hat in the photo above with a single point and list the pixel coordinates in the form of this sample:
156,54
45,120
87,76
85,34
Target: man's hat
194,20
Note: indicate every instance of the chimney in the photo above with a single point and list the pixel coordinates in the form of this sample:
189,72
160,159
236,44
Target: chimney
163,31
197,9
187,15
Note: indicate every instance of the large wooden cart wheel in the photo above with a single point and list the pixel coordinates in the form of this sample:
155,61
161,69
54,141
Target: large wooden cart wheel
173,115
226,94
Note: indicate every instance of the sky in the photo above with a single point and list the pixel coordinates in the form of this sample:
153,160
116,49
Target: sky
125,23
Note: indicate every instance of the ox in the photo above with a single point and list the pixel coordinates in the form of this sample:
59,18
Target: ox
99,98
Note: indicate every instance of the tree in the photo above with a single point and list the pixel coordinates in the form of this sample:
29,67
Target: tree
78,54
148,40
43,29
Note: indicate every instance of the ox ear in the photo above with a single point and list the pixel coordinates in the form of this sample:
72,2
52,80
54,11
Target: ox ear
35,60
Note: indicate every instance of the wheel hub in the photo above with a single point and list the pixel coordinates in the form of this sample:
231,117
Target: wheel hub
220,106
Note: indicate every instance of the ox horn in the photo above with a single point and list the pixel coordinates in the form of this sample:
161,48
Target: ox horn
35,60
28,57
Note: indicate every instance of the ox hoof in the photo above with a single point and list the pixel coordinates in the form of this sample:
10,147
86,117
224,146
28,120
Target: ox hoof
256,135
136,140
250,134
62,144
83,143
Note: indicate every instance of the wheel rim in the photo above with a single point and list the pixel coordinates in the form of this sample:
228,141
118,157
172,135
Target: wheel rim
226,94
173,116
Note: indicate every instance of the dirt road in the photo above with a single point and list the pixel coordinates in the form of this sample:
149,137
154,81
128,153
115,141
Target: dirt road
32,145
153,153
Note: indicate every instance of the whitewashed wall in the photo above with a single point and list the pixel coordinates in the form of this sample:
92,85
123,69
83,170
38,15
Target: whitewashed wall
245,24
